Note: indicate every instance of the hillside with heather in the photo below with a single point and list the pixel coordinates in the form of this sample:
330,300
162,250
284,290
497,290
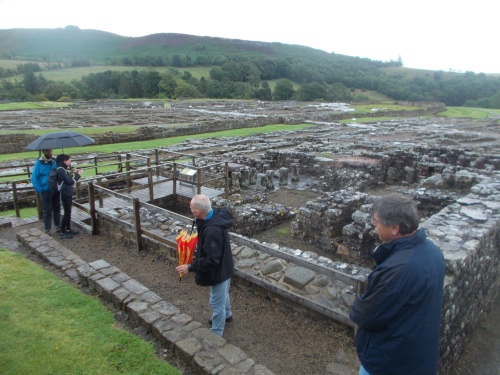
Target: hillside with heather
70,63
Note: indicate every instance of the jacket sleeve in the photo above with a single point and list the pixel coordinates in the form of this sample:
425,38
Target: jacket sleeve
64,176
384,299
35,177
211,248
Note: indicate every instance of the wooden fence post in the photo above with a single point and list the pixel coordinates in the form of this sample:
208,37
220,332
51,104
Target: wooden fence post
198,183
157,161
226,177
127,168
95,168
14,198
150,184
137,222
174,184
78,184
99,195
93,213
120,166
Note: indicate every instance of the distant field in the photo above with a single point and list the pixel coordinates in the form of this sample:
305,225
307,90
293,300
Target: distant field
364,108
466,112
155,143
15,106
12,64
70,74
88,130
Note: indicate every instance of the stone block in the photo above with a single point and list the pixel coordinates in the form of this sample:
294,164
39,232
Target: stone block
72,274
148,317
205,362
170,337
110,271
209,339
187,348
99,264
106,286
84,272
118,296
182,319
150,297
166,308
161,326
93,278
298,277
120,277
135,308
135,287
232,354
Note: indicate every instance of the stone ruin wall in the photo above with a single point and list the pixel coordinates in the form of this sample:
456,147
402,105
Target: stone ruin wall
12,143
467,231
465,227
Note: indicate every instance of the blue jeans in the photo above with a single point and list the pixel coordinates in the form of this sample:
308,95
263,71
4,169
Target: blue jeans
51,203
221,306
362,371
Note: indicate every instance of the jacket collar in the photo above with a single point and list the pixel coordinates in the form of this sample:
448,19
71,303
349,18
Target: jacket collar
386,249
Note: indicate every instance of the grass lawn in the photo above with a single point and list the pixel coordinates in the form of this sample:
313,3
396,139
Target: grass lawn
24,212
67,75
467,112
155,143
49,327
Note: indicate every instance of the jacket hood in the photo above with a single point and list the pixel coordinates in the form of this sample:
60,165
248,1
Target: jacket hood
46,161
222,217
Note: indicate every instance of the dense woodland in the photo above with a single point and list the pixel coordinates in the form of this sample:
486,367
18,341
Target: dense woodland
238,70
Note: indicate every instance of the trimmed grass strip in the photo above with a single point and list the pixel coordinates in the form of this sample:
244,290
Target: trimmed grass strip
49,327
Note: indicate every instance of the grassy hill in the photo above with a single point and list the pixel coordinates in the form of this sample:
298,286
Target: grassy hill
231,68
69,43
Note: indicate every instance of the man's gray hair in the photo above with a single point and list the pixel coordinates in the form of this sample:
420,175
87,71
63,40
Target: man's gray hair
202,203
397,209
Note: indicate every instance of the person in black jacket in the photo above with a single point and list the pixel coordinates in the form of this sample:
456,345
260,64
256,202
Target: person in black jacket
399,315
66,179
213,261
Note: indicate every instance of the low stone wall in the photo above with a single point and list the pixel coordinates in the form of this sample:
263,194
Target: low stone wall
12,143
466,229
468,234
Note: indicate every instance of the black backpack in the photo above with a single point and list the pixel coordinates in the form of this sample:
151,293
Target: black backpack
53,184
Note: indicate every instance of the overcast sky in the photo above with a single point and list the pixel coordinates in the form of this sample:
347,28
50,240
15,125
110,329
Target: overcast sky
427,34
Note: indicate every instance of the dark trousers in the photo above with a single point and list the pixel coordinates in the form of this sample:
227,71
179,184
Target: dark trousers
51,203
66,220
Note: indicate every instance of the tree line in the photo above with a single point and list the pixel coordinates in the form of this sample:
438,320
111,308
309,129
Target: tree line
247,78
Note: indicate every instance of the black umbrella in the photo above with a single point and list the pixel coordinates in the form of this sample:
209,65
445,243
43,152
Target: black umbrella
60,140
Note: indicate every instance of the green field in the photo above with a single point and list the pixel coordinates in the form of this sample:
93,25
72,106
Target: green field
155,143
48,326
470,113
69,74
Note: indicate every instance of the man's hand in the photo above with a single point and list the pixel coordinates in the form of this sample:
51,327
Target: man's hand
183,270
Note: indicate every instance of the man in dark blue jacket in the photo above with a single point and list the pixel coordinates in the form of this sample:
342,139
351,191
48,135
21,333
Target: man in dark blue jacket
51,201
213,261
399,315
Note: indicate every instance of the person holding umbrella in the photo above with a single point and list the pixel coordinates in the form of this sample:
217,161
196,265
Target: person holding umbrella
66,179
51,202
213,261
